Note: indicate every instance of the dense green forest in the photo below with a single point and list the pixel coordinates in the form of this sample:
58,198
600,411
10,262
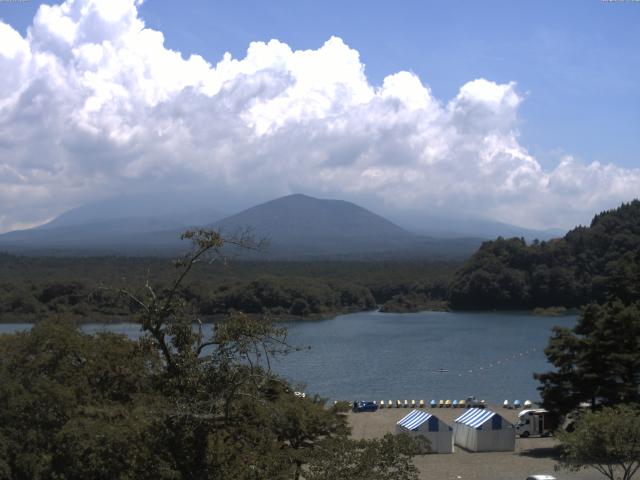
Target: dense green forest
588,264
88,288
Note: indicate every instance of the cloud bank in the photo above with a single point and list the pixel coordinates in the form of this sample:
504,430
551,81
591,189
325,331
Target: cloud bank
92,103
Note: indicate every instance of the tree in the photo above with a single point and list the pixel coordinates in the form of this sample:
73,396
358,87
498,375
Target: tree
176,404
72,403
389,457
598,361
607,440
595,263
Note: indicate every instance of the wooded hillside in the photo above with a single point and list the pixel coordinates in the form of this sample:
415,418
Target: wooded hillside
588,264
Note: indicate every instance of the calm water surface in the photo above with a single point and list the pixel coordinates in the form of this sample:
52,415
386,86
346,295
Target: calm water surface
374,355
378,356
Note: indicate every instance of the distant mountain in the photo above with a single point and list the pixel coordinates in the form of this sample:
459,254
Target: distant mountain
302,226
296,226
454,227
125,224
302,219
171,209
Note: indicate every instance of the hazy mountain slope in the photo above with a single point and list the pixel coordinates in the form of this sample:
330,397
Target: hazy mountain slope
179,209
115,223
296,226
302,218
302,226
454,227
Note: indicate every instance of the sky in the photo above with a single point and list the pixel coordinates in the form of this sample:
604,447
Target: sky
522,112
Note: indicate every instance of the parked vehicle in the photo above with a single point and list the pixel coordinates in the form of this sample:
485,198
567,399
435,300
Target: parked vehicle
541,477
537,422
473,402
364,406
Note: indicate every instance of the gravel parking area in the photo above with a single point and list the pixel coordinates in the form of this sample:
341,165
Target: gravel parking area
531,456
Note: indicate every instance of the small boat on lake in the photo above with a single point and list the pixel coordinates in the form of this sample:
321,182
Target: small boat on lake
440,370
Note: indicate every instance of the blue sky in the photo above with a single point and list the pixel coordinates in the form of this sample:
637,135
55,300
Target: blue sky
576,61
575,64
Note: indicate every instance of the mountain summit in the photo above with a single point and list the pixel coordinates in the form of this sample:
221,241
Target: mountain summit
299,217
296,226
300,225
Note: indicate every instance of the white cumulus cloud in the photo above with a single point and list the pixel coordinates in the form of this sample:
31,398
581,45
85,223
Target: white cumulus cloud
92,103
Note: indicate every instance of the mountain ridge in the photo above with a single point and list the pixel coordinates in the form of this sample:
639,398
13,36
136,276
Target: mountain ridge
296,225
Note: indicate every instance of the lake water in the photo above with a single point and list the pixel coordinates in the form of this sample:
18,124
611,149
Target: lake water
373,355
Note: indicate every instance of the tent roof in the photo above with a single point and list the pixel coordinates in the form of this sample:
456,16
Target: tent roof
414,419
475,417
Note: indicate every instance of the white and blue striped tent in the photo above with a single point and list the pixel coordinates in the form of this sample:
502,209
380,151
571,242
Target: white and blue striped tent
481,430
419,422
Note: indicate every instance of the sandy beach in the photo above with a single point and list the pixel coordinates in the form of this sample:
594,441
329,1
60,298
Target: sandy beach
531,456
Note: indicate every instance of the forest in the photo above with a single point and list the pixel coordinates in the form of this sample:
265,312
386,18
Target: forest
589,264
87,289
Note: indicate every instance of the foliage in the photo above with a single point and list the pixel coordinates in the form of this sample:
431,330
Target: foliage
34,287
385,458
607,440
173,405
291,296
588,264
598,361
62,395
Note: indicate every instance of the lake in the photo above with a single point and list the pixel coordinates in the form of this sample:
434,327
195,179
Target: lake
375,356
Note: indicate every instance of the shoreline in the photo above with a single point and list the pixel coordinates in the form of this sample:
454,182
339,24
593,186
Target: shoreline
534,455
8,319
